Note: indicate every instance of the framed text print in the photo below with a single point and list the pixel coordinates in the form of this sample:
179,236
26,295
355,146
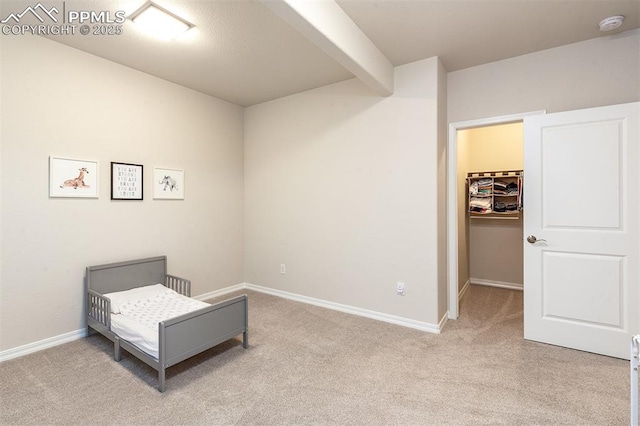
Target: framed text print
168,184
126,181
73,178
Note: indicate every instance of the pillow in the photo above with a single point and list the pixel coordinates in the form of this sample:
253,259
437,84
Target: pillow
119,298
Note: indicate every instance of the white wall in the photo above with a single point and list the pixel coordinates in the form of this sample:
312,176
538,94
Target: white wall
598,72
62,102
342,186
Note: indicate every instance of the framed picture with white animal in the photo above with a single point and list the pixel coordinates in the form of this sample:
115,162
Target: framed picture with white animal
168,184
126,181
70,178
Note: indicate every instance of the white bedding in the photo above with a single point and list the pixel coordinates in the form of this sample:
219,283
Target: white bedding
120,298
138,320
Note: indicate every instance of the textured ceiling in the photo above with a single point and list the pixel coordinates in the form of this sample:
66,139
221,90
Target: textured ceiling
242,52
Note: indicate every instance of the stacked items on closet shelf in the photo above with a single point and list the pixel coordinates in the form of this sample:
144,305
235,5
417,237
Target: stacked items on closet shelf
480,198
497,194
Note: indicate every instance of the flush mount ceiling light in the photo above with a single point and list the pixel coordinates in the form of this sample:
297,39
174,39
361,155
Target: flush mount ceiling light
611,23
159,22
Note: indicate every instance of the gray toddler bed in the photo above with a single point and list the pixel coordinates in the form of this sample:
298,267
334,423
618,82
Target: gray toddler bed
179,338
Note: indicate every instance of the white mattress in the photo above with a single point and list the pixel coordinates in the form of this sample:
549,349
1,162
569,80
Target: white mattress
138,321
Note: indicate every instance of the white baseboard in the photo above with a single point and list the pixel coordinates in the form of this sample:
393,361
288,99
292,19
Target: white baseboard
442,322
221,292
501,284
78,334
465,287
405,322
42,344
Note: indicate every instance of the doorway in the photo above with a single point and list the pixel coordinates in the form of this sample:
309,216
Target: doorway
586,238
490,250
459,253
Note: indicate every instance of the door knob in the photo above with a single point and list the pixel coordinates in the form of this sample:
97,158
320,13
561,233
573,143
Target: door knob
532,239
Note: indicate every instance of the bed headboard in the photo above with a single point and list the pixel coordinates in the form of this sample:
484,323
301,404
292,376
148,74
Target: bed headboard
122,276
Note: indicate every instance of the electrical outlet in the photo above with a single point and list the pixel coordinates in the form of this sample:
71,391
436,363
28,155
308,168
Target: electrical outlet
283,269
400,289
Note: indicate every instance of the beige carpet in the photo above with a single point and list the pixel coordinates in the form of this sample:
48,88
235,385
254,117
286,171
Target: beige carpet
308,365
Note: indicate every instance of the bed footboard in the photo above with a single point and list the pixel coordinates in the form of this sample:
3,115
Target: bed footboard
187,335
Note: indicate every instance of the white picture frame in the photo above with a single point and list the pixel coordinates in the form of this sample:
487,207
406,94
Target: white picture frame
69,178
168,184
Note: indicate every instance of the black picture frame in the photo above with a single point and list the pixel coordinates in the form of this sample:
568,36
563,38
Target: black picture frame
127,181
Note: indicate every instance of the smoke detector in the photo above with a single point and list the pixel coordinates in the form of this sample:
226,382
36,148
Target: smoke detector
611,23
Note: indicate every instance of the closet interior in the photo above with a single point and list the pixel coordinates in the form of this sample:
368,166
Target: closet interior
490,206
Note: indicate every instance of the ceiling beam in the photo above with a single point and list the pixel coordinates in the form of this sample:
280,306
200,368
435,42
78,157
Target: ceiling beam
331,29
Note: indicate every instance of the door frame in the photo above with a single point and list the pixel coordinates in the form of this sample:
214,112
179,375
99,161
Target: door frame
452,198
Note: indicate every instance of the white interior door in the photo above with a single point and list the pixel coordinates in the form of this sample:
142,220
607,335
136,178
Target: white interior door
581,204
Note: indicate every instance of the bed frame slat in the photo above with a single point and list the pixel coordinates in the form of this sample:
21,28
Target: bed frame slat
98,308
179,285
